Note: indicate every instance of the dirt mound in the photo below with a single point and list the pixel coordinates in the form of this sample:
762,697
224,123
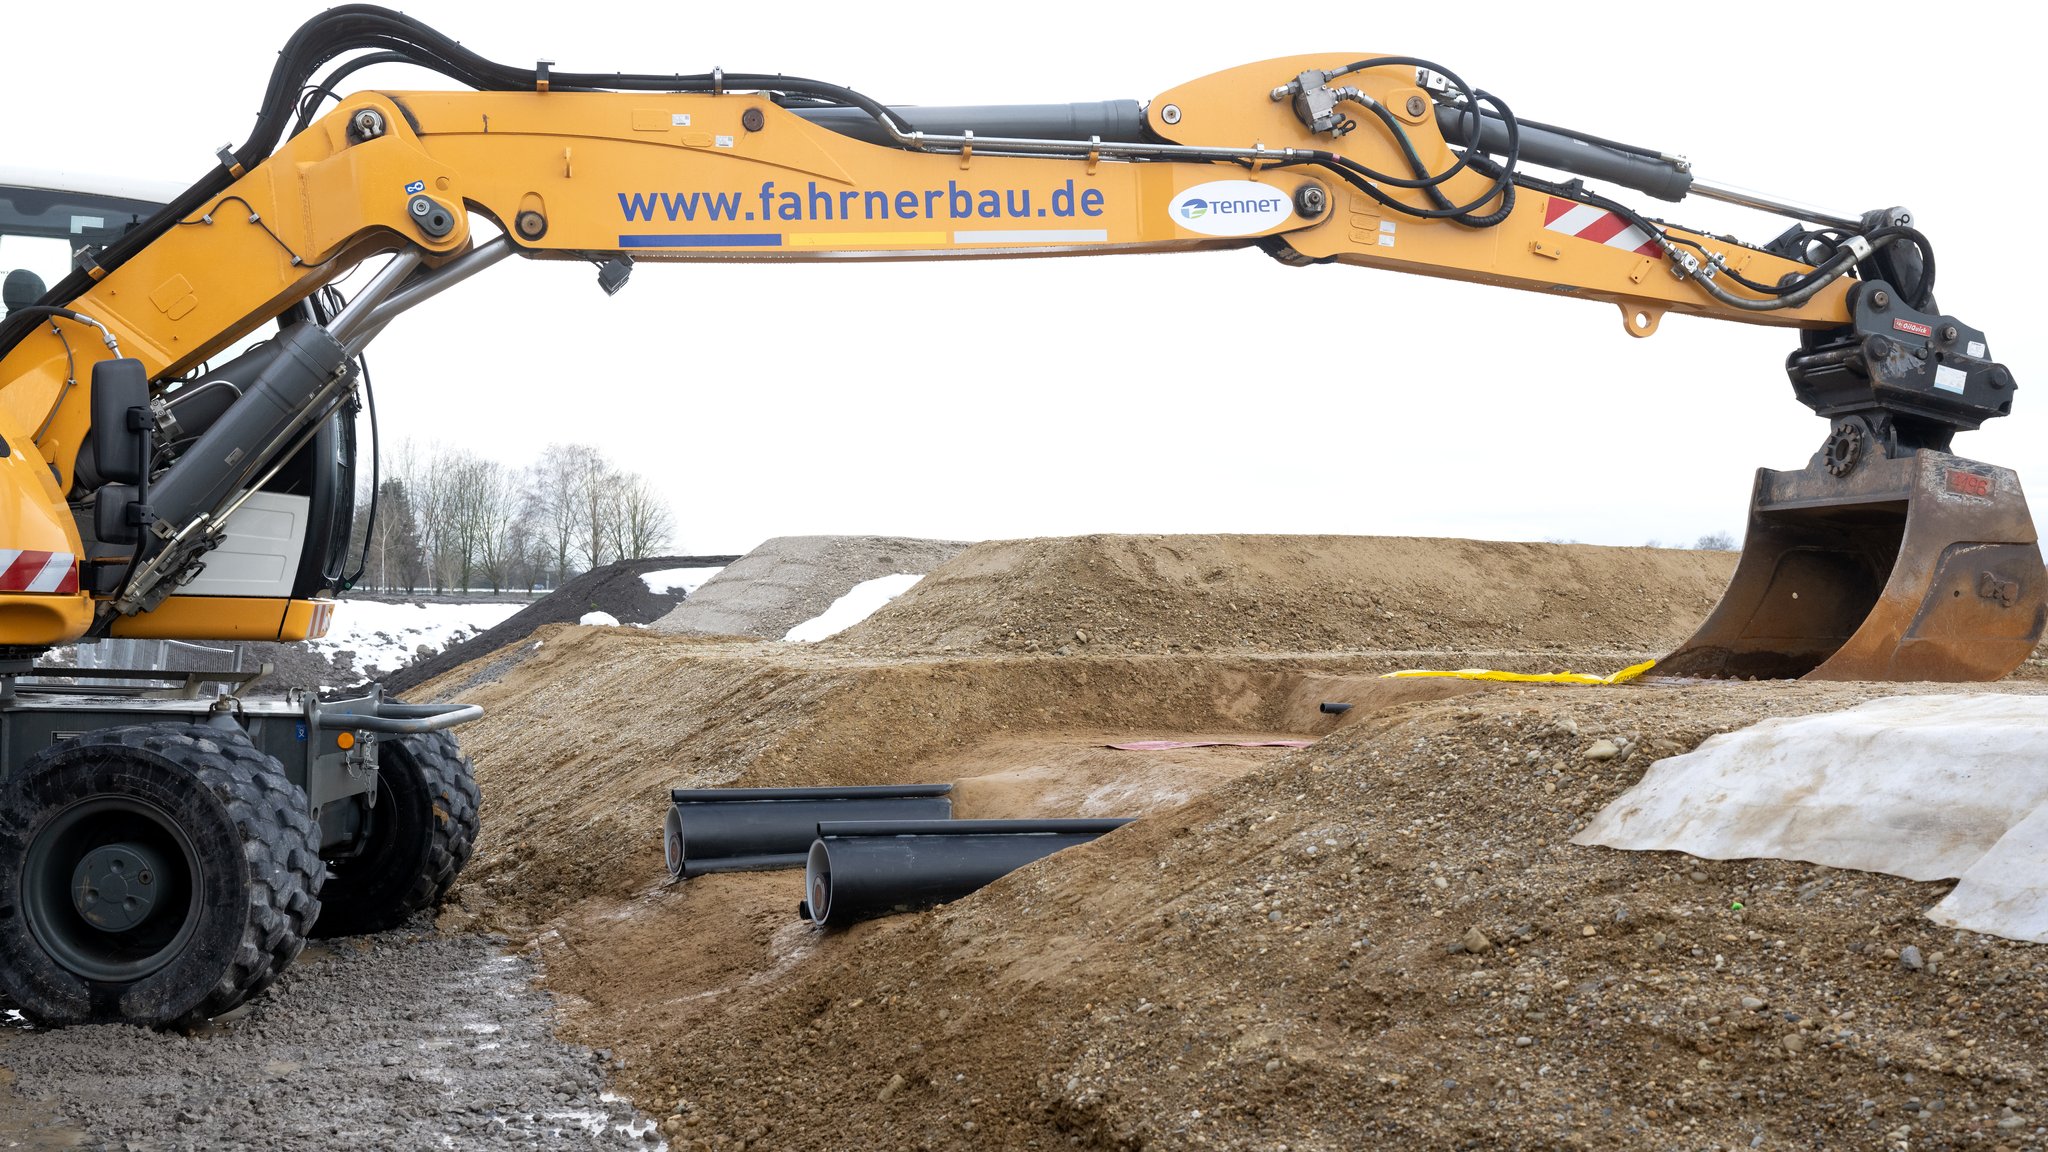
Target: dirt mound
1383,940
621,716
615,588
1298,594
790,579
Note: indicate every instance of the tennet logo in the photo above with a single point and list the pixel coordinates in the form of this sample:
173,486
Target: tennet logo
1230,208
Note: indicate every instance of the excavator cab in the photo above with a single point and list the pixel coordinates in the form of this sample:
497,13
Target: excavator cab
1886,557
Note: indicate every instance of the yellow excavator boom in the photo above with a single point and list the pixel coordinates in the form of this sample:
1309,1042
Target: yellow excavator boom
1379,161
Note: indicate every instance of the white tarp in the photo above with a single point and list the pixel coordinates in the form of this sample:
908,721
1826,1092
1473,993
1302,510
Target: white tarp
1925,787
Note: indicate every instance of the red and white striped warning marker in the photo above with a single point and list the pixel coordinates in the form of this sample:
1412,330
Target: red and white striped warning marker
31,571
1598,225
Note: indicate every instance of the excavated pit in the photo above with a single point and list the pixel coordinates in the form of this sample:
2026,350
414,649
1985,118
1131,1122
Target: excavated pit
1383,939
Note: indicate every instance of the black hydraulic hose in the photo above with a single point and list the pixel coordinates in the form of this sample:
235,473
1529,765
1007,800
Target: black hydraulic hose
360,27
309,103
348,580
755,829
1922,295
860,870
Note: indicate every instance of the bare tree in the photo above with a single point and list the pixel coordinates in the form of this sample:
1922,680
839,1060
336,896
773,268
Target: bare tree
392,557
593,480
461,519
643,521
553,495
428,481
491,508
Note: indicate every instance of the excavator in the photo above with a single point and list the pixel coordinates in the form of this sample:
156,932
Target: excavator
178,412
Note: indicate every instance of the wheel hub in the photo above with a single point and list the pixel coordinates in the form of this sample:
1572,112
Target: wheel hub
111,888
115,886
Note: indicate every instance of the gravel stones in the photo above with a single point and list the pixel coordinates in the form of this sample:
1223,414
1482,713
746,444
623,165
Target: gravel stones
391,1041
790,579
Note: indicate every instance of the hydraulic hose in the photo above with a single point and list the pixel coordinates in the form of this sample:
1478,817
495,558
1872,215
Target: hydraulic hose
394,36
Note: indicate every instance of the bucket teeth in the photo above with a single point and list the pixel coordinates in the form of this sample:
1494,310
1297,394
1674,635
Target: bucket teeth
1920,567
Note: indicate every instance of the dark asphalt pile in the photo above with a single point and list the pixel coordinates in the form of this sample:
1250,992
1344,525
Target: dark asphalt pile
614,588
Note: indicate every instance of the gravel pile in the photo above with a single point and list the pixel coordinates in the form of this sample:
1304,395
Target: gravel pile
791,579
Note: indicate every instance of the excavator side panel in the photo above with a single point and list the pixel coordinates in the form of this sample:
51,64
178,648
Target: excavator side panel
1924,567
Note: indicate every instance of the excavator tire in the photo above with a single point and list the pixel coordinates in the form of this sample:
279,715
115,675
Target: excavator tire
152,874
422,831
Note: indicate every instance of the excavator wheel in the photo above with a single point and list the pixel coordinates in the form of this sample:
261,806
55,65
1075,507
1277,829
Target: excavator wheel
422,831
153,874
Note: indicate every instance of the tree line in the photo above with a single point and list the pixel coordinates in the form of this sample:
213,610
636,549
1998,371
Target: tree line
449,519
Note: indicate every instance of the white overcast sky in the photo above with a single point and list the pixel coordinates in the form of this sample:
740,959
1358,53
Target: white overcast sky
1216,392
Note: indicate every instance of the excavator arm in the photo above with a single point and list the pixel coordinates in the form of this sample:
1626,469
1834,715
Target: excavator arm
1384,162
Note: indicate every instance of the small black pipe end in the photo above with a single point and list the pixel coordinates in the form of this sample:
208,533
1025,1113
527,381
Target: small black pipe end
1333,707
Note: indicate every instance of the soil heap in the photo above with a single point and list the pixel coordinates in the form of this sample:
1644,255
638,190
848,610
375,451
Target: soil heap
1299,594
790,579
1382,940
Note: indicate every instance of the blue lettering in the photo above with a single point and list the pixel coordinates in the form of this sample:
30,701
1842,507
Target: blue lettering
1063,200
815,203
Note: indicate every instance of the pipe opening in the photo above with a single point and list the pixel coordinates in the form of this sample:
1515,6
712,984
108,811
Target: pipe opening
672,841
818,884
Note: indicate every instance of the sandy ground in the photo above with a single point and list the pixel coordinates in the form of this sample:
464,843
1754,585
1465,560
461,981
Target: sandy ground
1383,940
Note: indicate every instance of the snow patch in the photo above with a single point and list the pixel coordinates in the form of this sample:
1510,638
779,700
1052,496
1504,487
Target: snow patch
684,580
387,636
860,602
605,619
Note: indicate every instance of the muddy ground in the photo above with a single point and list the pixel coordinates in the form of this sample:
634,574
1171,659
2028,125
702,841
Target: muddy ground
410,1039
1382,940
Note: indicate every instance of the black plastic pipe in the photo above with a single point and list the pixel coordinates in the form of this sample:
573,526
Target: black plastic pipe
756,829
868,868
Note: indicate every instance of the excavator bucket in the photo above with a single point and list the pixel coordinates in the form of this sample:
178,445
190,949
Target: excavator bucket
1920,567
